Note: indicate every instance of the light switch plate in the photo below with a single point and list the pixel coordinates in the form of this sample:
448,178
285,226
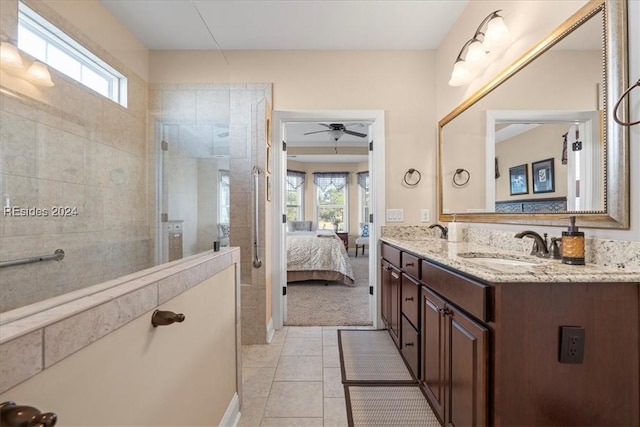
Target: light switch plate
395,215
424,215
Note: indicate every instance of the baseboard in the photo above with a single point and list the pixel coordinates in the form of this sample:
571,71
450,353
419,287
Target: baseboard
231,416
270,331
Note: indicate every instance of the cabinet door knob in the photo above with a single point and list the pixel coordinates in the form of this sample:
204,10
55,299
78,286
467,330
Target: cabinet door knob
408,344
409,264
409,299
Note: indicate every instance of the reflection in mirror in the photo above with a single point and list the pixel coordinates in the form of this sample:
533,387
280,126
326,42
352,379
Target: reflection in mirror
569,139
549,112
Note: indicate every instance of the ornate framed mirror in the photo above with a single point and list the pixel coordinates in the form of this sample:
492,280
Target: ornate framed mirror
553,105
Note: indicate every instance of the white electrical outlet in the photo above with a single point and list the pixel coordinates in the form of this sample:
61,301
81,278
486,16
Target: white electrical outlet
424,215
395,215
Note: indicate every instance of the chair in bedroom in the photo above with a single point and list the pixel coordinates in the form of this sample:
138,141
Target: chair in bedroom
224,230
299,225
363,239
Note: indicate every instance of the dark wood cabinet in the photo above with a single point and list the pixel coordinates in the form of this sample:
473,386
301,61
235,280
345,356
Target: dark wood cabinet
390,281
454,363
488,352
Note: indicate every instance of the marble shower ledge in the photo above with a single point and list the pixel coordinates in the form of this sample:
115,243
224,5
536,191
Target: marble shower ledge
544,271
30,343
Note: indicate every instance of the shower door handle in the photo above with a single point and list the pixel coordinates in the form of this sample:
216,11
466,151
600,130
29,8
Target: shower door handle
257,263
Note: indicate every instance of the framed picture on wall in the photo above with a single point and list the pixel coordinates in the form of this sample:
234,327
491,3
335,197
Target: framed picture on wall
518,183
542,173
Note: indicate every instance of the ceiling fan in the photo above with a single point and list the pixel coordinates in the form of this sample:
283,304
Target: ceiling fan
336,130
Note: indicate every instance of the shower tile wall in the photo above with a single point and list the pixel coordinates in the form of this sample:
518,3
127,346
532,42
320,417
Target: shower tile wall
67,146
198,105
248,148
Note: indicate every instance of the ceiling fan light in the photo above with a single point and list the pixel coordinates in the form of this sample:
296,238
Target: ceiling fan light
497,34
461,74
335,134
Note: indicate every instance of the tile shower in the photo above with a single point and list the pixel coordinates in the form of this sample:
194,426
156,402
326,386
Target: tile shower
68,146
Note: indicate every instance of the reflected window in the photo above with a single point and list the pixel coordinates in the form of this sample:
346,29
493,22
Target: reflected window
50,45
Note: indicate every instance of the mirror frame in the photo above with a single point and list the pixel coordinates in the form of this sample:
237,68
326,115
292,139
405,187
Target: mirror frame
616,168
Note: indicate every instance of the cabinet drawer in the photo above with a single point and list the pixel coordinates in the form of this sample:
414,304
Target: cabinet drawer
411,265
410,299
410,346
391,254
473,297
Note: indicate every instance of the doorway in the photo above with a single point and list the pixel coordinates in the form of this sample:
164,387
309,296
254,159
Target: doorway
283,121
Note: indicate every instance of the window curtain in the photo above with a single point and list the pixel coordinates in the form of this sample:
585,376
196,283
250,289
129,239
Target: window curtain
363,179
295,179
325,179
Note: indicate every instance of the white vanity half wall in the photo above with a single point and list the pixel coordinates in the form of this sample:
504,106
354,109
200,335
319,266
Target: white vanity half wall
98,360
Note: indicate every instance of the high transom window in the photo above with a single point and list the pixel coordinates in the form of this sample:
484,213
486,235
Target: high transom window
50,45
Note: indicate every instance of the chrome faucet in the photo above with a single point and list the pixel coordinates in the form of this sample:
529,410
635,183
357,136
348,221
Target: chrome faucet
539,248
443,230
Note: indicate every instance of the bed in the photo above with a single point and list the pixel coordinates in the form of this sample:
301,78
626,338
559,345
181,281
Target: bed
317,255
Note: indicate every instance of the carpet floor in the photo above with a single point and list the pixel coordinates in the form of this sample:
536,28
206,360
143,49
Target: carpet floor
327,303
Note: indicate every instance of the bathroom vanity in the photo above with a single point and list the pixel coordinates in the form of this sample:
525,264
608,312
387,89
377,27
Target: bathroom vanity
496,338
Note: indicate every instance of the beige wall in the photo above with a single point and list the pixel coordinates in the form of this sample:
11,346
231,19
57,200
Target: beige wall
181,374
541,143
398,82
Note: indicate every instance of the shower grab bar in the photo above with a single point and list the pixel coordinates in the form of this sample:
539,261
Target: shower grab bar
57,255
257,263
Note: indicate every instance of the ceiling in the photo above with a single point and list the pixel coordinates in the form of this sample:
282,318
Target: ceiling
292,25
288,24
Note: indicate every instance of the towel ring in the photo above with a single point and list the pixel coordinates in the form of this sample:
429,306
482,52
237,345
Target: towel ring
409,174
615,109
462,181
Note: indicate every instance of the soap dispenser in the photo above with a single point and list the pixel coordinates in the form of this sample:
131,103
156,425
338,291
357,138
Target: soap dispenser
573,244
454,233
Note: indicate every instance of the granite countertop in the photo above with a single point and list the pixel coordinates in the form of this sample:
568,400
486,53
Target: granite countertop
492,264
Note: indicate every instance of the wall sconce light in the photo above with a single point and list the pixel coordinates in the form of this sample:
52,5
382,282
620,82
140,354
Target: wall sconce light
38,73
11,60
10,57
473,55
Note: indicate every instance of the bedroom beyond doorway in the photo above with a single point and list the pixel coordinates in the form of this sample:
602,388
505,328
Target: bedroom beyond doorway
312,303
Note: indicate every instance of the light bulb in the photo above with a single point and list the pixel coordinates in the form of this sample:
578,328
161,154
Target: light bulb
476,54
496,35
38,73
10,57
461,75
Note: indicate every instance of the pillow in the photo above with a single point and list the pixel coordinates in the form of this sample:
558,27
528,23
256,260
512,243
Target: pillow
364,229
299,225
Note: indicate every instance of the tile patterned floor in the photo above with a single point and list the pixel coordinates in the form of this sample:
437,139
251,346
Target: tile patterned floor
295,380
